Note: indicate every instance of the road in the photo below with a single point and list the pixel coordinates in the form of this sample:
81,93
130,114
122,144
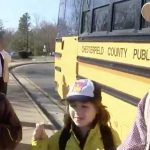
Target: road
41,74
38,80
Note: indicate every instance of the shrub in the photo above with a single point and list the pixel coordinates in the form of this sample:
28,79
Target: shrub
24,54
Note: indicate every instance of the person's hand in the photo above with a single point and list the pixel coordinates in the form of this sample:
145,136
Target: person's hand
39,132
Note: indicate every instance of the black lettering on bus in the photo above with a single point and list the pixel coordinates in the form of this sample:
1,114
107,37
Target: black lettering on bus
84,50
135,53
144,54
93,50
117,52
100,51
109,51
141,54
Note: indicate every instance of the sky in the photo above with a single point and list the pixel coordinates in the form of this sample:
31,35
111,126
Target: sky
12,10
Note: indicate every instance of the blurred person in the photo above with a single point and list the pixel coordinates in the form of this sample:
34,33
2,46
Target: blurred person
145,11
86,124
4,60
139,136
10,126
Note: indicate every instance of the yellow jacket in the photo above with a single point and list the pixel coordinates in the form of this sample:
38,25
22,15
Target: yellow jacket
7,59
93,141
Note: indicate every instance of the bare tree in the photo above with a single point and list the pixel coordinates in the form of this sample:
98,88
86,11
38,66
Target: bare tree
44,34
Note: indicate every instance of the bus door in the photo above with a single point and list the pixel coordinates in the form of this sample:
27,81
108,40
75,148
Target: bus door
66,44
67,65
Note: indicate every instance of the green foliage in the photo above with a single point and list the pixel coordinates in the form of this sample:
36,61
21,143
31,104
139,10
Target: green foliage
23,54
1,29
17,42
24,24
1,25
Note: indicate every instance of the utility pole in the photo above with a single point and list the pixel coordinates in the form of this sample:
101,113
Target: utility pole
27,29
27,39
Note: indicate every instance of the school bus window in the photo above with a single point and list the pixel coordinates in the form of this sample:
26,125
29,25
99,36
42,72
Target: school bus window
99,3
62,28
86,5
62,9
72,16
69,16
61,18
100,19
145,1
124,15
86,22
145,24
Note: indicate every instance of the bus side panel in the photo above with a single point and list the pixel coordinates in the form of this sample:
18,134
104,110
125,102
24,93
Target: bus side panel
127,53
67,65
122,114
58,60
97,60
125,82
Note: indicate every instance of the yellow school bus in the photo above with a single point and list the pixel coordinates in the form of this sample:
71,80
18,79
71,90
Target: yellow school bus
109,42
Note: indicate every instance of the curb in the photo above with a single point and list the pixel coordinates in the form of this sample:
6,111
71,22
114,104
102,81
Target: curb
45,113
30,98
27,63
45,94
29,94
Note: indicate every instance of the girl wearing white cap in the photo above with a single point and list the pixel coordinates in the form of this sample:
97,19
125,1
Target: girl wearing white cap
86,123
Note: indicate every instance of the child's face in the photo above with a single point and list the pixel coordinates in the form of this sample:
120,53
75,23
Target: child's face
82,113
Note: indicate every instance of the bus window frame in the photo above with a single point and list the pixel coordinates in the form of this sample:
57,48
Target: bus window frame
59,34
117,34
93,18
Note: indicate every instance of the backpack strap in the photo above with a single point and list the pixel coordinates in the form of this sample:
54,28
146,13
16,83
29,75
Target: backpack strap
64,137
107,138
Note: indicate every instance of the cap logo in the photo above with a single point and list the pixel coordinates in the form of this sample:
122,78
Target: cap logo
78,86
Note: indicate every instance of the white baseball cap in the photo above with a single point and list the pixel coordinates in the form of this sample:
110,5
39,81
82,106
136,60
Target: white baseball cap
145,11
82,90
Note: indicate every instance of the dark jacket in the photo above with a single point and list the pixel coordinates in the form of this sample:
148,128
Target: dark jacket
10,126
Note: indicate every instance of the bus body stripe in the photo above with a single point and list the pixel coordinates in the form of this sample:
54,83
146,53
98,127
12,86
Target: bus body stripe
136,70
118,94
